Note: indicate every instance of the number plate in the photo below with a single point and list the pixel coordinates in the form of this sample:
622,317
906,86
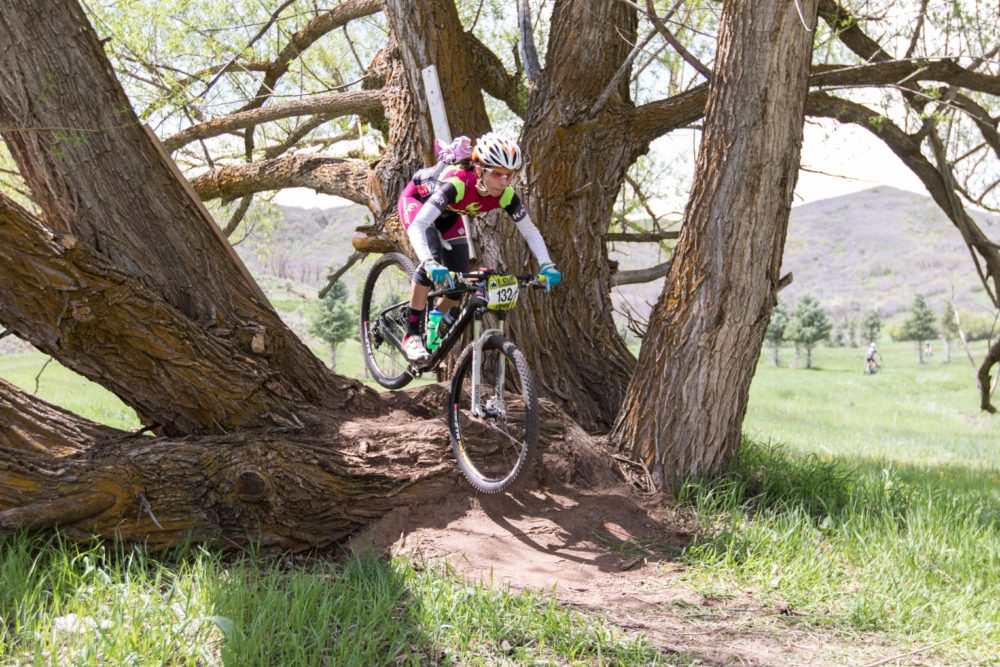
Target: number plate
501,292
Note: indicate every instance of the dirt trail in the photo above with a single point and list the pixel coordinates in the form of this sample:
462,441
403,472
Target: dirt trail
583,535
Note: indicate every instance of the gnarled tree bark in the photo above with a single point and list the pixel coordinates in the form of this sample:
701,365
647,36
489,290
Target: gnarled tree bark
684,413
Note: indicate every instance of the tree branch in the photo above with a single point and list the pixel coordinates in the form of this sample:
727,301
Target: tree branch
332,279
641,275
237,217
253,40
493,77
661,27
340,104
326,175
916,30
655,119
75,306
934,179
643,237
302,40
529,54
622,71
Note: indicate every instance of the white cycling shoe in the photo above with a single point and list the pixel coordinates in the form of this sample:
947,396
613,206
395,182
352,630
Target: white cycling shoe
414,349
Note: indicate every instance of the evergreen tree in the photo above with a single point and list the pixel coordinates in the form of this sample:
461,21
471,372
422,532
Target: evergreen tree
871,326
808,326
775,334
336,320
919,326
949,329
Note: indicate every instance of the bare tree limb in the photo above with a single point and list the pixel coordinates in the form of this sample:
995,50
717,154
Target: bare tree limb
332,279
622,71
340,104
326,175
295,136
641,275
260,33
300,41
529,54
937,179
921,17
237,217
643,237
493,77
661,27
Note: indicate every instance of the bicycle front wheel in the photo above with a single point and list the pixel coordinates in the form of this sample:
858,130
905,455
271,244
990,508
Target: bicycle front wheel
388,284
495,441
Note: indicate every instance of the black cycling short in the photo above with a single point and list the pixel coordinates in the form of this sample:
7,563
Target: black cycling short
456,259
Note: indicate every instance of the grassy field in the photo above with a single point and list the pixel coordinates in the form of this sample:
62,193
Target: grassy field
867,503
63,604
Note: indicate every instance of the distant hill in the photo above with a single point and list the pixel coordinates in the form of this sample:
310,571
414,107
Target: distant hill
304,243
871,249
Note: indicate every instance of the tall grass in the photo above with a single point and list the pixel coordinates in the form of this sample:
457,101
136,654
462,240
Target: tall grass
101,605
881,510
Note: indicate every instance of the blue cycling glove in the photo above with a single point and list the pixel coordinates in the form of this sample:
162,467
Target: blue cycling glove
550,275
437,272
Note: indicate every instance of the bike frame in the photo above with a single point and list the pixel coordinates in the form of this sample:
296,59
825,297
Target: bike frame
473,312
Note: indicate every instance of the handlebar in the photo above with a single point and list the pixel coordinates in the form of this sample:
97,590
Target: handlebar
478,278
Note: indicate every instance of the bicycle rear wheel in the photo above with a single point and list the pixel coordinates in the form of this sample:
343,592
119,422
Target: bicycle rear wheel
495,448
388,283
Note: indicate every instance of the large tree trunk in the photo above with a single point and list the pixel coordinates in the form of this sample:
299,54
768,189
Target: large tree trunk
575,165
422,33
286,489
683,414
114,199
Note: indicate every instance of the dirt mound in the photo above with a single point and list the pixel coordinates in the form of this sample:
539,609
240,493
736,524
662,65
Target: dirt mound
580,532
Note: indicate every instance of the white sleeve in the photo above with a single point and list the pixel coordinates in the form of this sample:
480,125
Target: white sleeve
533,238
417,231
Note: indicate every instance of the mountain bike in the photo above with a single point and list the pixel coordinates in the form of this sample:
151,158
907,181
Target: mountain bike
492,401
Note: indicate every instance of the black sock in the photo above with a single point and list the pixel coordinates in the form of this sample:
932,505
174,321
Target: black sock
415,322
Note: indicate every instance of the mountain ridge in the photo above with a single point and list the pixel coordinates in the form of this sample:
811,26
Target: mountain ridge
875,248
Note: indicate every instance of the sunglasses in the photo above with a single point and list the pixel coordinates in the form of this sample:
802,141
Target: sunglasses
497,172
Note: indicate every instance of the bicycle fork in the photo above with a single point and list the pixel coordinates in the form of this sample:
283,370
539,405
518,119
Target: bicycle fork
477,369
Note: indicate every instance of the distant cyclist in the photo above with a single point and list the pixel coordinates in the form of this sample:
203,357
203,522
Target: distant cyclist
871,364
431,206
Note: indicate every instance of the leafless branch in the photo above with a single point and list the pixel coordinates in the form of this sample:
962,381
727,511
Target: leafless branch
634,321
529,53
661,27
300,41
237,217
260,33
643,237
641,275
916,30
295,136
355,102
332,279
324,174
40,371
622,71
354,52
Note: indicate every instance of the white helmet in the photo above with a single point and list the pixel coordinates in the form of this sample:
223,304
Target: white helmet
492,150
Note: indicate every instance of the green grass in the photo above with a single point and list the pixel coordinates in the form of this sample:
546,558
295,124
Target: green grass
60,386
66,604
912,413
880,510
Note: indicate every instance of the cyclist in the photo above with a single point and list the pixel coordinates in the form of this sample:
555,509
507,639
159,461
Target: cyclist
871,365
430,208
